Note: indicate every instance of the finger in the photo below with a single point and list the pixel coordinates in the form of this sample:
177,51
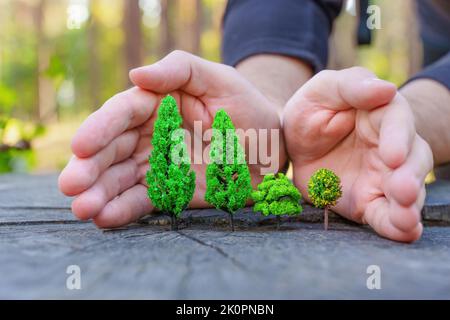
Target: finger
404,218
126,208
397,132
349,88
405,183
378,215
183,71
122,112
111,183
81,173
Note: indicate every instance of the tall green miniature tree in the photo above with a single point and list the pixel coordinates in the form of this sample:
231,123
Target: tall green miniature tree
324,189
171,183
228,183
277,195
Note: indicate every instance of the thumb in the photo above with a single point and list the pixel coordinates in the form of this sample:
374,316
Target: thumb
180,70
355,88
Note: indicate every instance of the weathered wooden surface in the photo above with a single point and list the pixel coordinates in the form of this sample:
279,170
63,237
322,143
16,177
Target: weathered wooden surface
437,206
39,238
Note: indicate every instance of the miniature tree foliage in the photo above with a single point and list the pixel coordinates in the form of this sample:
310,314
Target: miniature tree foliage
171,183
324,188
277,195
228,183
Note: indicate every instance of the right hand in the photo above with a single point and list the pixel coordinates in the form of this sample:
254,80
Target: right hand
360,127
107,171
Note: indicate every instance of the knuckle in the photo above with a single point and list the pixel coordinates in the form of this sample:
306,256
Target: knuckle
229,69
325,74
120,98
414,234
427,152
359,69
408,221
178,54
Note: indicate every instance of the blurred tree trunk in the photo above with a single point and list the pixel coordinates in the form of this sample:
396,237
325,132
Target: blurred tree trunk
198,28
94,64
38,21
414,41
45,107
133,35
189,23
342,43
167,35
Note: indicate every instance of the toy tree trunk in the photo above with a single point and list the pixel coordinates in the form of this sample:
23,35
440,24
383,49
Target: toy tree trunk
231,221
278,222
173,223
325,220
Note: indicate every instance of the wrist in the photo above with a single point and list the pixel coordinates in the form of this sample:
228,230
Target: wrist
430,103
277,77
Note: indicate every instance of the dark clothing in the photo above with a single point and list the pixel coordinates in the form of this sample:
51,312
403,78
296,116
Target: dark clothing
290,27
434,17
300,28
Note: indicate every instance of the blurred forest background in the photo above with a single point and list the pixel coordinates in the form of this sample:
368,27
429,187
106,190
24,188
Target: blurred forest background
61,59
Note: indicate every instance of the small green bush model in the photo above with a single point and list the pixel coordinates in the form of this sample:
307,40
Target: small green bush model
228,183
277,195
171,183
324,189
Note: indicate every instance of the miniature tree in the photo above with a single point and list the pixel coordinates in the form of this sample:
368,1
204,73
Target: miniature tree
277,195
228,183
324,189
171,183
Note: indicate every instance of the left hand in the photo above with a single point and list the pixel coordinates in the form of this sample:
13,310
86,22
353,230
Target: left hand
363,129
106,175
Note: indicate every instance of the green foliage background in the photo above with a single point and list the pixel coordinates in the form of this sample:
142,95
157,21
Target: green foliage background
81,68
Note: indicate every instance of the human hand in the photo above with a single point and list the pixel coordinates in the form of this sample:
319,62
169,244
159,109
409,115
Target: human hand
363,129
107,172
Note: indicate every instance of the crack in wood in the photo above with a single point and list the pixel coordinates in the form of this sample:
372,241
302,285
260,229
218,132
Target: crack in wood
35,208
39,222
183,287
141,235
219,250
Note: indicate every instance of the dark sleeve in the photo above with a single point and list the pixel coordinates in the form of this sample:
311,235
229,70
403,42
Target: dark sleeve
297,28
434,22
438,71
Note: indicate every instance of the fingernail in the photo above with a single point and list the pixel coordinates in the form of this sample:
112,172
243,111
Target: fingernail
377,81
136,69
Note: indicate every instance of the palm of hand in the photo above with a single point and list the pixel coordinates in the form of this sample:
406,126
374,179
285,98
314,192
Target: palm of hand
355,159
381,162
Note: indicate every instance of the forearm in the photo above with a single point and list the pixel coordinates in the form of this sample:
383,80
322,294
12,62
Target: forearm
430,103
276,76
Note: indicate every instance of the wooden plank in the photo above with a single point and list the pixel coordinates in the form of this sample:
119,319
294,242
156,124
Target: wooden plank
437,203
143,261
40,238
24,191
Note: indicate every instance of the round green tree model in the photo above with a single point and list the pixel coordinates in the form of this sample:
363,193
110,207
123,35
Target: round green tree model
171,183
277,195
324,189
228,183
